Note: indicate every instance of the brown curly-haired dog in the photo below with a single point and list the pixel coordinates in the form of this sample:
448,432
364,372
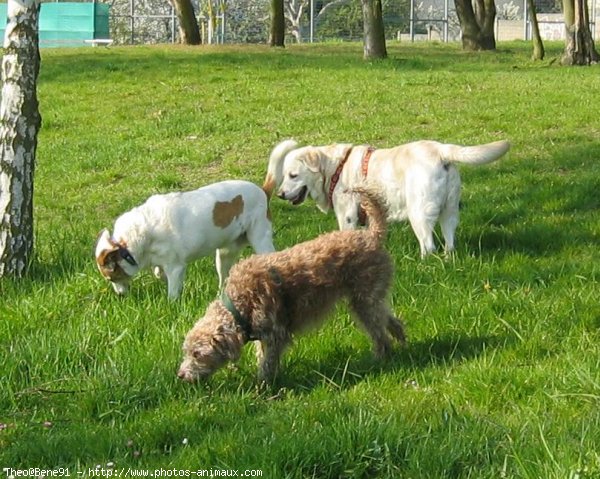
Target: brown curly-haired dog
270,297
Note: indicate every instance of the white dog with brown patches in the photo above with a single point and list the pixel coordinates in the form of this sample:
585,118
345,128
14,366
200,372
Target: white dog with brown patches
171,230
419,180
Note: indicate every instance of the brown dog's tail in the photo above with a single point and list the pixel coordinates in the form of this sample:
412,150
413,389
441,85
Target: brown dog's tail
375,206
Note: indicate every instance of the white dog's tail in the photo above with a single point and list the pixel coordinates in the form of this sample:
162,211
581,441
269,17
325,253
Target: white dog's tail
275,169
375,206
474,155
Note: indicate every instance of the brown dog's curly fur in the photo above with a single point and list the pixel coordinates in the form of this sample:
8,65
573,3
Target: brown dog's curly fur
283,293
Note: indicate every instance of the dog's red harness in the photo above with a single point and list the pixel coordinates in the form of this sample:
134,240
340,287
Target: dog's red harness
364,167
336,176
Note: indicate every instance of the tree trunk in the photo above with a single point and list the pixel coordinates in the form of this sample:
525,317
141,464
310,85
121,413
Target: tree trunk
579,43
19,125
277,35
293,14
189,33
538,45
374,34
477,24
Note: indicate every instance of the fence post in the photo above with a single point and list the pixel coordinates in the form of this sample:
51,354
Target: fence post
593,19
497,22
412,21
222,28
132,13
525,20
446,21
172,24
312,21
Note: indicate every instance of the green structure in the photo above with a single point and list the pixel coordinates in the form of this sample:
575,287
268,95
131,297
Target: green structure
69,24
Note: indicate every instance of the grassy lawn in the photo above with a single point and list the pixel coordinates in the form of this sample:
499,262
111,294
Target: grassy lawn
501,375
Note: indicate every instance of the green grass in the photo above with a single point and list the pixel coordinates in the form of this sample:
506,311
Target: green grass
501,376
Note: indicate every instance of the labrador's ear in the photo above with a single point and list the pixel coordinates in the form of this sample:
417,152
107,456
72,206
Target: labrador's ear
312,160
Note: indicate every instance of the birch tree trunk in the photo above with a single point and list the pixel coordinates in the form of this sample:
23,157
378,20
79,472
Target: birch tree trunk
189,33
19,125
293,13
374,34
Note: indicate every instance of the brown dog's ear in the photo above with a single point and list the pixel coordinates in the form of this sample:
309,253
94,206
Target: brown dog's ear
199,352
227,345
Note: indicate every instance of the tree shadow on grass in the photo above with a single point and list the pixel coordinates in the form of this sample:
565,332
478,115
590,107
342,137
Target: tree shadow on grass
91,65
42,273
535,239
552,211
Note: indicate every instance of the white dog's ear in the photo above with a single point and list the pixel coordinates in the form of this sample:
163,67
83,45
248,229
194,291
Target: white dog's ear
103,243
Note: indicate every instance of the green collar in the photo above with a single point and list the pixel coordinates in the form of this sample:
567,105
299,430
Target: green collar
241,321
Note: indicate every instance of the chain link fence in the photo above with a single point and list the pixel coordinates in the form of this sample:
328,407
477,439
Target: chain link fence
247,21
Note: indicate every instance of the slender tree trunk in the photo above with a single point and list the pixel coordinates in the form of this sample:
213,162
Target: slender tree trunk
189,33
477,24
293,14
538,45
374,34
19,125
277,35
579,43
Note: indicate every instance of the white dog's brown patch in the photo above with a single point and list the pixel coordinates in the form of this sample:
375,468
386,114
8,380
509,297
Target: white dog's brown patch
224,212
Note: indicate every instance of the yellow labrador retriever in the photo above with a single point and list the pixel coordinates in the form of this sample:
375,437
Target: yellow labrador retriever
419,180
